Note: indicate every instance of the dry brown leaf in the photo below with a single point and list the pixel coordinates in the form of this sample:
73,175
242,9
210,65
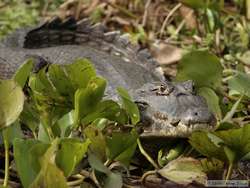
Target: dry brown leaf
189,17
165,53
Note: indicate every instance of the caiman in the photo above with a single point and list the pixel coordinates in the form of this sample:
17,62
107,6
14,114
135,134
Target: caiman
167,109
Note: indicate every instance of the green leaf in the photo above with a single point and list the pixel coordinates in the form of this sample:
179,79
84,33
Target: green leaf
129,105
245,138
228,117
232,138
231,144
230,154
195,4
211,165
39,83
218,142
210,19
240,83
36,153
246,157
243,35
30,117
11,102
70,153
50,175
98,142
114,180
204,145
226,126
105,109
86,99
80,72
65,123
201,67
121,146
13,132
60,81
100,123
175,152
23,72
21,154
215,5
245,57
184,171
212,100
43,134
97,164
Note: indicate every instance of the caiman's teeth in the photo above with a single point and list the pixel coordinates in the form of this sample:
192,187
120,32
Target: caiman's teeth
111,36
160,116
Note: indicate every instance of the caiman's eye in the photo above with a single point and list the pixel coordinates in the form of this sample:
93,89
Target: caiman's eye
162,90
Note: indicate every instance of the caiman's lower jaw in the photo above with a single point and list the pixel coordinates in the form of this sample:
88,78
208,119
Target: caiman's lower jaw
161,128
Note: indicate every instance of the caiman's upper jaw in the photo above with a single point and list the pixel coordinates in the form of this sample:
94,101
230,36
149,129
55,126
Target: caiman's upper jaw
162,126
180,131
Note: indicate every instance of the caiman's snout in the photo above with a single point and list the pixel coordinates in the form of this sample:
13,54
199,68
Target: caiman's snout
173,110
199,116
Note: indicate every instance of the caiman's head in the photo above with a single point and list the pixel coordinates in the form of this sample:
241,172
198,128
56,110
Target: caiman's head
172,110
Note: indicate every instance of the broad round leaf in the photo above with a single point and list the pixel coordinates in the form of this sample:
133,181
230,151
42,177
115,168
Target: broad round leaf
11,102
240,83
60,81
212,100
121,146
97,164
201,67
86,99
21,154
70,153
23,72
129,105
114,180
206,145
184,171
80,72
98,143
49,175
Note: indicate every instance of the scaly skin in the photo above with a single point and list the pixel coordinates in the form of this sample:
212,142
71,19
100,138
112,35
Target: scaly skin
167,109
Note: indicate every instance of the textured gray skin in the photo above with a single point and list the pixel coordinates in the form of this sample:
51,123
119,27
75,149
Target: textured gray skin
167,109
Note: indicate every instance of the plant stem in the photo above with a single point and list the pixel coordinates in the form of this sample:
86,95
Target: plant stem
6,148
230,114
144,153
76,182
144,176
107,163
122,9
229,171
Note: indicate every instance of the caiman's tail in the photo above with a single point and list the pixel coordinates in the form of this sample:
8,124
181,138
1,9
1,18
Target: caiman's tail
71,32
67,32
83,32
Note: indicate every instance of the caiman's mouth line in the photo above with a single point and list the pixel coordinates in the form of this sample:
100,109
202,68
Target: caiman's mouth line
161,128
174,122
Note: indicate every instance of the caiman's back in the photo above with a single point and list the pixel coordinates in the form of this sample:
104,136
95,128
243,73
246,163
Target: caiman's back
121,63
